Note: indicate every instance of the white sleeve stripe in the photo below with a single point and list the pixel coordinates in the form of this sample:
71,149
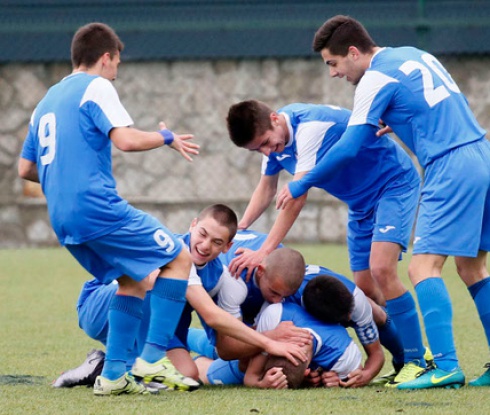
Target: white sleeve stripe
367,90
309,138
102,92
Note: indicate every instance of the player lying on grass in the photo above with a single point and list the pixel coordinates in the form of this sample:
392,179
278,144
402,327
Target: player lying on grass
333,357
210,234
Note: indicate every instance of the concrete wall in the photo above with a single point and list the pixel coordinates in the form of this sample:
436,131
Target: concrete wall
190,96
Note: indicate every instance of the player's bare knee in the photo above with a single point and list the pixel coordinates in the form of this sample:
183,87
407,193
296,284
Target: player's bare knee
128,286
179,268
383,274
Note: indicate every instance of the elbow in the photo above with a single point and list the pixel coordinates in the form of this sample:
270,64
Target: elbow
124,145
23,174
27,171
212,321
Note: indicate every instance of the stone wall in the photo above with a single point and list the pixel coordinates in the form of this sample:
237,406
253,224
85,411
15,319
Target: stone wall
190,96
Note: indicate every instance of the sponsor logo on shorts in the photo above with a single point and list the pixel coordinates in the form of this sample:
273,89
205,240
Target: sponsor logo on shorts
416,239
386,229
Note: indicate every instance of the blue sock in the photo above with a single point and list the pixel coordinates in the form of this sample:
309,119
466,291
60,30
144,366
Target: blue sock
198,342
125,314
403,312
435,305
481,296
391,341
167,302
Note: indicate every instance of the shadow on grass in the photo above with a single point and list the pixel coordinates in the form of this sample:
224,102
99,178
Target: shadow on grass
21,380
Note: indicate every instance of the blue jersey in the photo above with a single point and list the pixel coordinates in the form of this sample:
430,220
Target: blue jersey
411,92
68,139
362,314
330,341
313,130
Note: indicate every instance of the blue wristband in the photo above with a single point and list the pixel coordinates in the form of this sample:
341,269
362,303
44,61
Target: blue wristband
168,137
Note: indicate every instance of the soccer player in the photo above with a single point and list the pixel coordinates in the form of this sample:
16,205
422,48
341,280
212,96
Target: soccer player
68,150
380,187
210,234
416,97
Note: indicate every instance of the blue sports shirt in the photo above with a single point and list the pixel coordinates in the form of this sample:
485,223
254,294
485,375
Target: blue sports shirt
330,341
314,130
68,139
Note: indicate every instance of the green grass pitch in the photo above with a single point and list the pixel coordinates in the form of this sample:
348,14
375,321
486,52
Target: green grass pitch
39,338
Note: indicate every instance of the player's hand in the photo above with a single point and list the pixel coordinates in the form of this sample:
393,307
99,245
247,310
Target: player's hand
290,351
356,379
313,378
330,379
287,332
182,144
283,197
245,259
274,378
383,129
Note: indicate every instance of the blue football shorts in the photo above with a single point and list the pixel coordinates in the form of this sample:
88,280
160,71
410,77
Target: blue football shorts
454,212
93,312
390,221
135,250
225,372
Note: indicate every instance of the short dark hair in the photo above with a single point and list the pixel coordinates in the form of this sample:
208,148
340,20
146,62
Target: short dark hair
91,41
338,33
294,374
246,120
224,215
328,299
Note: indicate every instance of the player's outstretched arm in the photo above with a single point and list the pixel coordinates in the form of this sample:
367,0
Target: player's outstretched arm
181,143
341,153
131,139
372,366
